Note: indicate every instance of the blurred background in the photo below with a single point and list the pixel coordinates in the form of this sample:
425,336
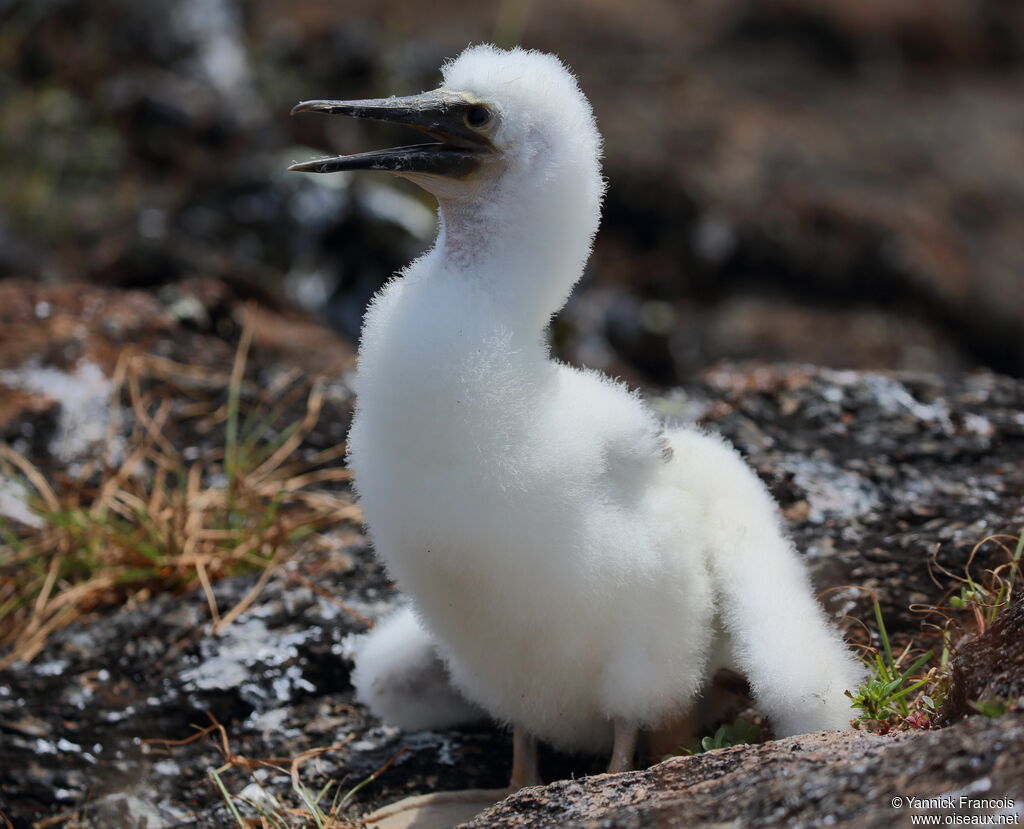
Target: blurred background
831,181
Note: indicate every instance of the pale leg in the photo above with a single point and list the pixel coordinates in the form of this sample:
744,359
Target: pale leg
623,748
445,809
524,760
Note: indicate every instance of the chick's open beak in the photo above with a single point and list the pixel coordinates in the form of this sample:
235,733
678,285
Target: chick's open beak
440,114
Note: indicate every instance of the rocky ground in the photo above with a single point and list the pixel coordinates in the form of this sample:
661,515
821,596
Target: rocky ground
884,478
819,780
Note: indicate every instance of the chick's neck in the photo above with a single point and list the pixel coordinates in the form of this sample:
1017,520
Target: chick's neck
523,242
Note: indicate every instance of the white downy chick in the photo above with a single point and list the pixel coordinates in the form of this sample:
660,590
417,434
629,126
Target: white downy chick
571,558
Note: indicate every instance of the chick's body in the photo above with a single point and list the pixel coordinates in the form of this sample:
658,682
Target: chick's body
573,561
536,525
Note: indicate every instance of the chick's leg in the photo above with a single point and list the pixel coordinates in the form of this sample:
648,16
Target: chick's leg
524,760
444,809
623,747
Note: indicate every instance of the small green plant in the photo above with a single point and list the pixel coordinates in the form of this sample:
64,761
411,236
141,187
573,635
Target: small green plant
903,692
737,733
994,707
885,699
986,599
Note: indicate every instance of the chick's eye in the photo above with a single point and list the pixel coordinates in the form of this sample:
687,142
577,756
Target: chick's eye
478,116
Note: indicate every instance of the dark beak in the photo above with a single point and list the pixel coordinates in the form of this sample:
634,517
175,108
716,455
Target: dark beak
459,151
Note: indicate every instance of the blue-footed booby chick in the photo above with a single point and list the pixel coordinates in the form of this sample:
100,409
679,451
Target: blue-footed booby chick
581,569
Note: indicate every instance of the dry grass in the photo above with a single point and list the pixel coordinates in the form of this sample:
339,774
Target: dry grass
322,809
982,597
263,809
157,521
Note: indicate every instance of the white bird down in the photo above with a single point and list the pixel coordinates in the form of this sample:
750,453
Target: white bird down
577,564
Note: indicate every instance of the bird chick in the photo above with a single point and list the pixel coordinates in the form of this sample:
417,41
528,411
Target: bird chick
581,569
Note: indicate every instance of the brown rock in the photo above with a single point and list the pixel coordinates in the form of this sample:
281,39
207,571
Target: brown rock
827,779
988,667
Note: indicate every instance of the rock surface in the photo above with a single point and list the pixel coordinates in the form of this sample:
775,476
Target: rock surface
881,475
988,668
825,779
